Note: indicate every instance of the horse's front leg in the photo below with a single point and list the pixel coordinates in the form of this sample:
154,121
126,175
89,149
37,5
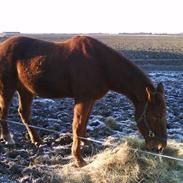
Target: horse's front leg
81,113
84,127
25,102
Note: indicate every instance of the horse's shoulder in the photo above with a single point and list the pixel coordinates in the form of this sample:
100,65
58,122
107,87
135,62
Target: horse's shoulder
81,42
81,39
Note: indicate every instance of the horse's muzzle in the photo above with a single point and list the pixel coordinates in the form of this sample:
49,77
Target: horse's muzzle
157,148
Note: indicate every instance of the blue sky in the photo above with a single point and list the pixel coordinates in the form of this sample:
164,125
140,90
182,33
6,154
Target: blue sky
91,16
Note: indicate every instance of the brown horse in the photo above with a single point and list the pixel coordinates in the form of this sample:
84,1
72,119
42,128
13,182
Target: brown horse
84,69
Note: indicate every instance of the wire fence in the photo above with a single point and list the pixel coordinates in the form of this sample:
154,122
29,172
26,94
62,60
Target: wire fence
99,141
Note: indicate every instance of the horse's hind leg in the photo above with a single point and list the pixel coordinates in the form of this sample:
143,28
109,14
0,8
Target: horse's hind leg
25,110
5,99
81,113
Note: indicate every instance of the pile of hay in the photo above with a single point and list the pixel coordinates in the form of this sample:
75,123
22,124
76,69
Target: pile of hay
124,165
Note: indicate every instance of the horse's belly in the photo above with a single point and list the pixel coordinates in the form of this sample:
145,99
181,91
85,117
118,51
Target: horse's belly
44,80
48,89
52,89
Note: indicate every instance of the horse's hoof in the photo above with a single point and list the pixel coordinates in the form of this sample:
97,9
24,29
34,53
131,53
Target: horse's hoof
80,163
36,142
85,143
8,140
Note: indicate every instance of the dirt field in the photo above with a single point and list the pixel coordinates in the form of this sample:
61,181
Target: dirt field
163,43
161,57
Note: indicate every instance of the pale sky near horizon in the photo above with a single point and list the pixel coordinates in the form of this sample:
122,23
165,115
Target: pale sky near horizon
91,16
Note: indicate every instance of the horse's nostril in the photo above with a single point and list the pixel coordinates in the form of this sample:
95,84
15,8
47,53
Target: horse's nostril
155,149
160,150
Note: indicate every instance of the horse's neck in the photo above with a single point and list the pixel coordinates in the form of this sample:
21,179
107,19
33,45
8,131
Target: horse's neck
126,78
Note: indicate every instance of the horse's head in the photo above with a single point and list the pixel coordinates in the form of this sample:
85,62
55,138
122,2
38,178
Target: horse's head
151,119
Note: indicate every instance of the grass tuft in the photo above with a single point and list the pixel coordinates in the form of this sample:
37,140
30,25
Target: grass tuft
124,165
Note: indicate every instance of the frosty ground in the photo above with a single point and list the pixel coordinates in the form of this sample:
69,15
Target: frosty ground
17,164
57,115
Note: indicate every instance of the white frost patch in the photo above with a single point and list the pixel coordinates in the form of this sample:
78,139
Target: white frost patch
175,130
165,76
96,122
90,128
60,147
45,100
53,120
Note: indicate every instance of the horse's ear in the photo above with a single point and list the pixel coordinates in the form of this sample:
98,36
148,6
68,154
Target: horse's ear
149,94
160,88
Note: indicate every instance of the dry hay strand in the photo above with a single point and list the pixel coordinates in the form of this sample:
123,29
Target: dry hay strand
124,165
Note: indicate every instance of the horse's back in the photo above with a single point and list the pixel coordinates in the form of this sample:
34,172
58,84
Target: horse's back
23,47
48,69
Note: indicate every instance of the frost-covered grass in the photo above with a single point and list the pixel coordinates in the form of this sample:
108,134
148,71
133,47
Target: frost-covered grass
121,164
